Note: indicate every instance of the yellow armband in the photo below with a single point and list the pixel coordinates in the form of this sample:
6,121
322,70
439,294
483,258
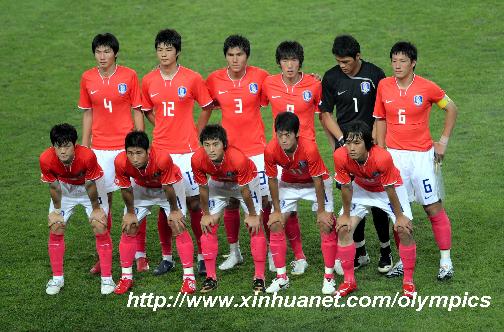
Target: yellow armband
443,102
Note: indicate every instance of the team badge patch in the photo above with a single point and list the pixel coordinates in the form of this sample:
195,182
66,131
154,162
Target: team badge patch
182,91
365,87
122,87
418,99
253,88
307,95
303,164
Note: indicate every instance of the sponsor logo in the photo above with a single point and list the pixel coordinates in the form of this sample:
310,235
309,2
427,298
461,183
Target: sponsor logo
275,97
152,95
388,101
341,92
93,92
222,92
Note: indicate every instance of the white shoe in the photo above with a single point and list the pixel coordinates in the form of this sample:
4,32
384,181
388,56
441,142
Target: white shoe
338,268
107,286
277,285
299,267
445,272
232,260
396,271
271,263
53,286
328,287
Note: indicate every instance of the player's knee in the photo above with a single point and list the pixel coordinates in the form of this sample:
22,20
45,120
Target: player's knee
98,227
344,236
324,228
233,203
404,237
193,203
132,230
266,204
174,230
58,229
276,227
433,209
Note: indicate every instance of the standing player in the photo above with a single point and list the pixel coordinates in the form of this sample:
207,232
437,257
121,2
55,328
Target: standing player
377,183
403,105
304,176
157,181
351,87
108,93
72,171
168,96
232,175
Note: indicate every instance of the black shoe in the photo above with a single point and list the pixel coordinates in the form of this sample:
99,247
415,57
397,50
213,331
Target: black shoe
208,285
163,267
385,263
201,268
258,286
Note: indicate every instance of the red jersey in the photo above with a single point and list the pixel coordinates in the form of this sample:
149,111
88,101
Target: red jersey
378,170
240,103
302,167
84,167
301,99
407,112
172,102
160,170
111,99
235,167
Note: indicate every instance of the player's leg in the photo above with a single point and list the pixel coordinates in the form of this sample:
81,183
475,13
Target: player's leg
142,262
232,228
165,240
278,247
381,223
346,250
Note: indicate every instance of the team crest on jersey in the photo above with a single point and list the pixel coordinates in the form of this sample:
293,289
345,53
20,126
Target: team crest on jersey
122,87
303,164
418,99
307,95
182,91
230,174
253,88
365,87
375,174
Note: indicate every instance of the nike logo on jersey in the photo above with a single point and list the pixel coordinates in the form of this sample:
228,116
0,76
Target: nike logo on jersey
93,92
222,92
427,197
388,101
275,97
341,92
154,95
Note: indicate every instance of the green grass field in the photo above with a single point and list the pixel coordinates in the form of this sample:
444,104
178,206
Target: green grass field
45,49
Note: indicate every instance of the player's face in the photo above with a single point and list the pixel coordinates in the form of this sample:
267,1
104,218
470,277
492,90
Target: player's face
349,65
137,156
287,140
290,68
402,65
356,148
105,57
214,149
236,59
65,152
167,54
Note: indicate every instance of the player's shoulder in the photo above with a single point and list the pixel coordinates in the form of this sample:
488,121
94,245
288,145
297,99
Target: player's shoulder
257,72
420,80
380,154
198,155
125,71
218,73
151,75
47,155
310,81
309,146
371,67
83,152
189,73
388,81
334,73
233,151
271,147
340,154
273,79
90,74
162,159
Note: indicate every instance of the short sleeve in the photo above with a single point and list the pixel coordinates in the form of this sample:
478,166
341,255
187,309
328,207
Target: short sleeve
46,175
327,99
341,175
122,179
93,169
199,175
270,166
201,93
316,165
379,109
135,96
170,173
84,99
145,98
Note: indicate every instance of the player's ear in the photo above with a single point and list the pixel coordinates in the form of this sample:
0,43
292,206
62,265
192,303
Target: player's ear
116,55
357,57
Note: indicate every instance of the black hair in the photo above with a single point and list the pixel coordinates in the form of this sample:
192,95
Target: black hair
105,39
214,131
136,139
169,37
405,48
345,45
289,50
358,129
62,134
237,41
287,121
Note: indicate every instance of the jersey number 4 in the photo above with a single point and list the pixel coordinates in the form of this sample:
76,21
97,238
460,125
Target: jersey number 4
107,105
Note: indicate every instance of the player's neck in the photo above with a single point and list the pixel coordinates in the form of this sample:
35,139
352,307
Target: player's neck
169,71
292,80
405,82
362,160
356,69
235,76
107,72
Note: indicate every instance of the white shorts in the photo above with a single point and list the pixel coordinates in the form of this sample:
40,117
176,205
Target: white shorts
221,192
291,193
363,200
261,175
417,172
145,198
106,161
73,195
183,161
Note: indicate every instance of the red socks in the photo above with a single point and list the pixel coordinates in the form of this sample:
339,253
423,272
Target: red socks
165,233
232,224
278,247
127,249
293,233
56,248
347,256
141,235
396,239
210,247
258,249
196,226
328,246
441,227
408,257
265,218
185,249
109,219
104,249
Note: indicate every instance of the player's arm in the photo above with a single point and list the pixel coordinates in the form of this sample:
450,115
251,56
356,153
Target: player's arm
97,214
346,201
332,126
138,119
401,219
252,218
381,130
205,115
130,221
175,215
55,217
206,221
323,217
150,116
87,122
450,118
330,138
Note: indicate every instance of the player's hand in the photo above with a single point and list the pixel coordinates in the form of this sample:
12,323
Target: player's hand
98,215
253,223
178,220
404,223
129,220
275,217
316,76
439,151
55,218
342,222
207,221
325,218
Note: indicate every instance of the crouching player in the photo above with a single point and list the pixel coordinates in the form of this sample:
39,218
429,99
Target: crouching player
71,171
304,176
157,181
377,183
233,175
